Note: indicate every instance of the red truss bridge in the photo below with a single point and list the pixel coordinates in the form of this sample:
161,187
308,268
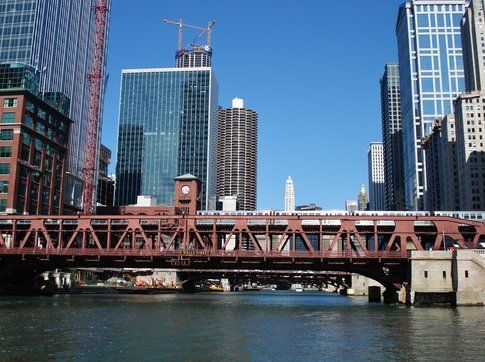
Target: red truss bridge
375,246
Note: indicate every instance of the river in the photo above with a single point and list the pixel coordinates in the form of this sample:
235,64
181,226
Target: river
251,326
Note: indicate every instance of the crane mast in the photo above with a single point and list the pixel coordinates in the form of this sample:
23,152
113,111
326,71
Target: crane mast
94,105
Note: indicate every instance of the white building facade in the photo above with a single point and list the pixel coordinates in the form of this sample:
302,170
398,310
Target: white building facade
375,156
289,195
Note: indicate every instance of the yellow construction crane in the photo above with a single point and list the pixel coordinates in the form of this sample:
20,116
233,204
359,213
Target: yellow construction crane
181,25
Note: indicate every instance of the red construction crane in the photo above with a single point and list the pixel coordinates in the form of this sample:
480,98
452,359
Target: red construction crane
95,88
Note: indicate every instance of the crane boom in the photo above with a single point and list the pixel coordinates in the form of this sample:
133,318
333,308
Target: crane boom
94,105
181,25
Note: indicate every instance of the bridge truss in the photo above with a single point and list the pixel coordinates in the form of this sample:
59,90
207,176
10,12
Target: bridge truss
375,246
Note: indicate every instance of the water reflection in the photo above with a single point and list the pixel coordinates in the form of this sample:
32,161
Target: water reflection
241,326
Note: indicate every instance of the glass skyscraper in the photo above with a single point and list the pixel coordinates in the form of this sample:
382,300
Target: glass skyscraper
56,38
431,75
392,137
167,127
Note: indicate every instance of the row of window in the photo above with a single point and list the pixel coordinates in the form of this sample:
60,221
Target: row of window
24,5
44,116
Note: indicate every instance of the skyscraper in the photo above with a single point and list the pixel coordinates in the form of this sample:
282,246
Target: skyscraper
362,199
375,157
470,147
237,144
289,195
431,76
473,34
56,38
392,138
442,181
469,112
167,127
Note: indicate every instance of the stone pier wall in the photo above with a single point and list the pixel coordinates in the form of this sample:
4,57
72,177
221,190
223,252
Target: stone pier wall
447,277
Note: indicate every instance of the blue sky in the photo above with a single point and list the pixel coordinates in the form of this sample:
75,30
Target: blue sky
310,68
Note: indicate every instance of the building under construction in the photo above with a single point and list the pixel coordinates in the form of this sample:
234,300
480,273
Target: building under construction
168,126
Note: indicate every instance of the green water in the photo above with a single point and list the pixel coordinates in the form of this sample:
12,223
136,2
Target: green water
258,326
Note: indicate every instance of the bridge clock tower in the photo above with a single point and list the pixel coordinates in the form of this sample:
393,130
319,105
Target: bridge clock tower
187,194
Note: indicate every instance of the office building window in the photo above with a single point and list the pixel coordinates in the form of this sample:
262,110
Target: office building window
30,107
3,187
6,135
3,205
4,168
5,151
8,117
10,102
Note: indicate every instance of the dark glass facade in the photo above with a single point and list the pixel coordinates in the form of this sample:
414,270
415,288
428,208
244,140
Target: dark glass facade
392,138
167,127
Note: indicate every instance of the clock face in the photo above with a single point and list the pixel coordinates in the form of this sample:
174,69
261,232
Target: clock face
185,190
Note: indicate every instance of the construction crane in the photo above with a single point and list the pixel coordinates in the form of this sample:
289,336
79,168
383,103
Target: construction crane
181,25
94,105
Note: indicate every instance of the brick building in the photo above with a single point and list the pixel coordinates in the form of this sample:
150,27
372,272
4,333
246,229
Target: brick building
34,133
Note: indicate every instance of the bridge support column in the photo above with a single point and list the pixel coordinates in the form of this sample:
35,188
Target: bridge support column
390,296
431,278
374,293
468,272
448,277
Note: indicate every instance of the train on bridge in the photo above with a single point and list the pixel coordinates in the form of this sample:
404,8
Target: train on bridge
375,245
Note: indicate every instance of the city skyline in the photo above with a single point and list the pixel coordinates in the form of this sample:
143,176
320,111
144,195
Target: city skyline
278,109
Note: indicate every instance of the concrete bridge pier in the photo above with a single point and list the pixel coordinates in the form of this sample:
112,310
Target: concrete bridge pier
447,277
390,296
26,284
374,293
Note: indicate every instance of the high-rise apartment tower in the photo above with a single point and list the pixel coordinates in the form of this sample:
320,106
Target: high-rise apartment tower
237,144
